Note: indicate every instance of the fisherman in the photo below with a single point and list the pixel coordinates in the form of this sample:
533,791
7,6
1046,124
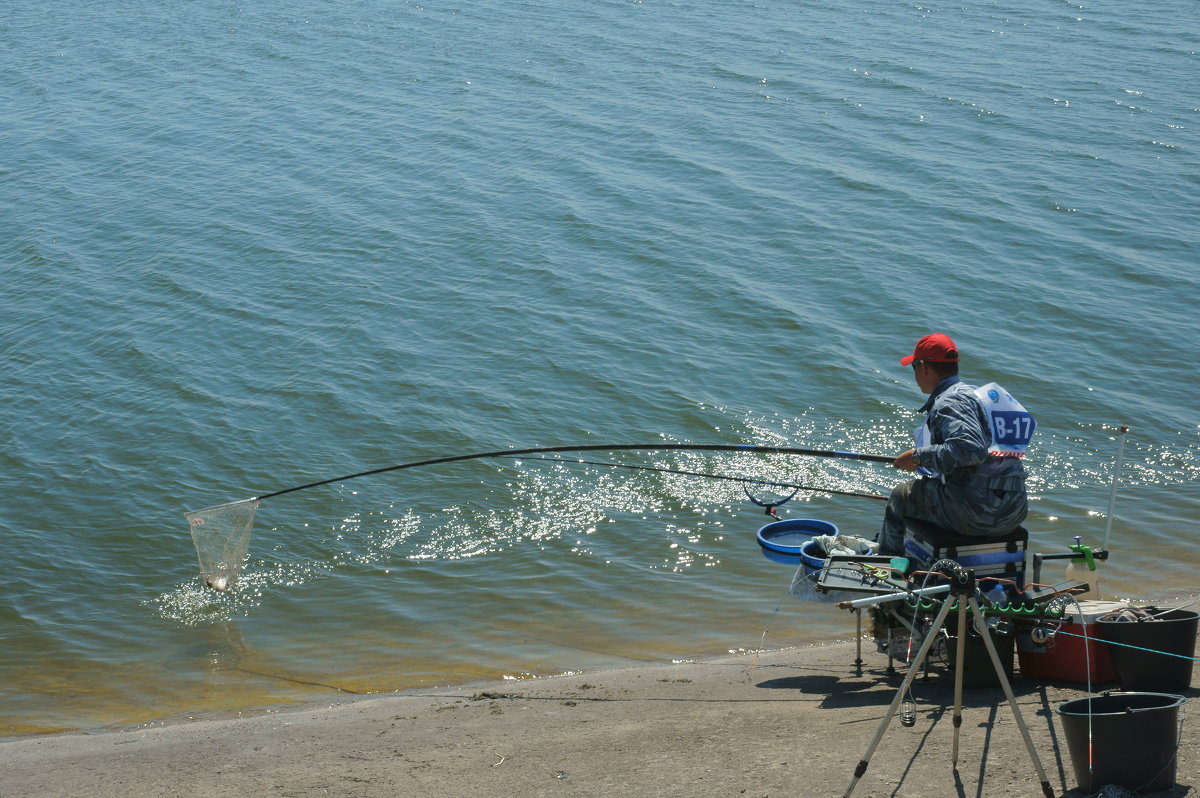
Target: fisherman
968,454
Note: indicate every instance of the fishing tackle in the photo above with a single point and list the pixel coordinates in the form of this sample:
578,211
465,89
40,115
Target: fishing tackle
221,533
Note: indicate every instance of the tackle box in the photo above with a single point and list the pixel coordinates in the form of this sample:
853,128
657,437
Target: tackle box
1063,655
1002,557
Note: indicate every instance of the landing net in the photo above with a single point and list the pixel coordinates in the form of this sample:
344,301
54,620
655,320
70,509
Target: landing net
222,536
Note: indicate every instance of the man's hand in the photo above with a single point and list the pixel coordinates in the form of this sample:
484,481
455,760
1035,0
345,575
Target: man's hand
905,461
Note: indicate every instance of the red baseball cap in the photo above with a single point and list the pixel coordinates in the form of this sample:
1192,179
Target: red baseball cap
936,348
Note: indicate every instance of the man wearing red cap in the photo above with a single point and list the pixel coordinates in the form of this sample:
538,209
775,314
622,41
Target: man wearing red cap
968,453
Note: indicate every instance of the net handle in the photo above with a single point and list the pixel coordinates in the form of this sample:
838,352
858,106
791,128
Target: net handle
600,447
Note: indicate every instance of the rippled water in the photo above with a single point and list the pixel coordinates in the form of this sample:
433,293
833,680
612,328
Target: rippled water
252,246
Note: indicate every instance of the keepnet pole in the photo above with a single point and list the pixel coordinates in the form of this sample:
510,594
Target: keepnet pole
1112,494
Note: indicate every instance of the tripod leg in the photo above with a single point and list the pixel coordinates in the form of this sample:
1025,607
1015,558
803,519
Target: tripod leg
922,653
891,669
858,660
1012,700
959,667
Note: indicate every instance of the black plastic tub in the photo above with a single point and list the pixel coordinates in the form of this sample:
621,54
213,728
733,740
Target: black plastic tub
1153,655
1134,739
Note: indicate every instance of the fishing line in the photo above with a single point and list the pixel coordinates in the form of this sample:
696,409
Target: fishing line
1127,645
1087,666
221,533
797,581
745,480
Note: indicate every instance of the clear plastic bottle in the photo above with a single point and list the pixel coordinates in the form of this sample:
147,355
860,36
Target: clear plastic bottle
997,595
1084,568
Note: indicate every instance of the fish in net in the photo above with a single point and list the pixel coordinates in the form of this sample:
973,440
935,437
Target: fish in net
222,537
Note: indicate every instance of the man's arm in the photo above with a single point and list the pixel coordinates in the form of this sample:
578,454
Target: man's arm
964,441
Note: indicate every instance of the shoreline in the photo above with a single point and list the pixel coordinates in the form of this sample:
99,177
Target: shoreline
327,694
783,722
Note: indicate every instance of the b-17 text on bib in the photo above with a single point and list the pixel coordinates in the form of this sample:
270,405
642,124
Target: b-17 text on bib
1012,426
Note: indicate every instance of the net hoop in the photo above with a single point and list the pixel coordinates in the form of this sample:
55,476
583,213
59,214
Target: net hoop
221,534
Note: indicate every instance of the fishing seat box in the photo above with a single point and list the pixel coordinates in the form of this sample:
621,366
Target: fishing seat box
1062,658
1002,556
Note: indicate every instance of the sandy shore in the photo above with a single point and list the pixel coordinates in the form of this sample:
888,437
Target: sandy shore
785,723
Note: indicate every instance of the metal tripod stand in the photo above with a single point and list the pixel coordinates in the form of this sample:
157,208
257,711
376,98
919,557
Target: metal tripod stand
962,592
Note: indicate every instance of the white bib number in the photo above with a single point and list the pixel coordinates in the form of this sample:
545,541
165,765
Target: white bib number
1012,426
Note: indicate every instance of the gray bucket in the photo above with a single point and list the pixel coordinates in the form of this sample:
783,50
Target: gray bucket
1134,739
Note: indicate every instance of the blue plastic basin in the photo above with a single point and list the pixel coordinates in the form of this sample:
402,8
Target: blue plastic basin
791,542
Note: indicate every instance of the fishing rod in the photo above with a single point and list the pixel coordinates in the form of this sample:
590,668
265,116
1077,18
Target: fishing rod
598,447
221,533
746,480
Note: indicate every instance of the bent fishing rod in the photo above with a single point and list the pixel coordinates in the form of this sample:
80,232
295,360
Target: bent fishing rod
597,447
222,533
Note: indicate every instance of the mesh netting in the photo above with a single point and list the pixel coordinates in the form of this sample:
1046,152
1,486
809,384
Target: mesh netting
222,535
